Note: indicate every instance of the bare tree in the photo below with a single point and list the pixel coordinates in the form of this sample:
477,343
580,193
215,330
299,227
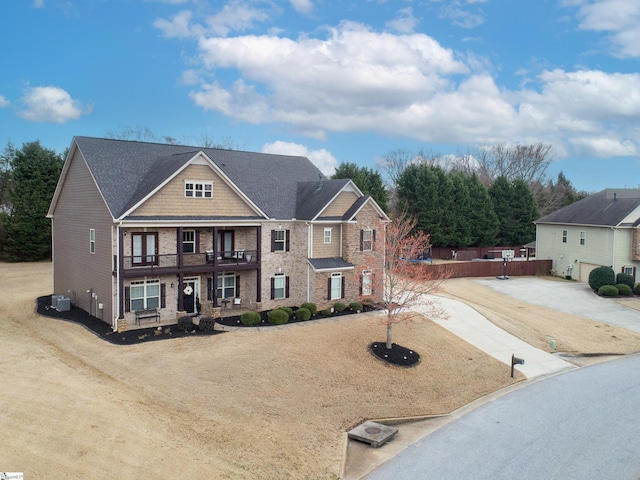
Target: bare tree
405,282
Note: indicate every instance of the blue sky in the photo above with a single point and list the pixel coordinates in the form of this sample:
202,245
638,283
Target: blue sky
334,81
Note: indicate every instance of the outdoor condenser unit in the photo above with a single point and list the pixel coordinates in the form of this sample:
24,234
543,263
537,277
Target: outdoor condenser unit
64,304
55,299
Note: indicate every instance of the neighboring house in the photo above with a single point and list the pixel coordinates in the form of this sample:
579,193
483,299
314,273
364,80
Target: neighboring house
142,226
602,229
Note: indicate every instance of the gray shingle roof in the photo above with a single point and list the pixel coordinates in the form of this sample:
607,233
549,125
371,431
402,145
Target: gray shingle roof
126,171
333,263
606,208
312,197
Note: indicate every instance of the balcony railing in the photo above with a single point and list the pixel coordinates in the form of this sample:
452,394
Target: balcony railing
235,257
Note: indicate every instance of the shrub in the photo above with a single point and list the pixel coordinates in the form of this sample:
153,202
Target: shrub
288,310
250,318
278,317
624,289
185,324
303,314
325,313
355,306
625,279
207,324
313,309
636,288
608,291
339,307
601,276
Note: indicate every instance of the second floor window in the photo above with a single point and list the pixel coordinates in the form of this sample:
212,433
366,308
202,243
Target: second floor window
327,235
279,240
145,248
197,189
565,234
583,238
367,237
92,240
188,241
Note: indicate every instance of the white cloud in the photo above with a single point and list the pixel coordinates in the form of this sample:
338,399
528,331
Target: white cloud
460,15
50,104
235,16
302,6
619,17
38,3
322,159
404,22
4,102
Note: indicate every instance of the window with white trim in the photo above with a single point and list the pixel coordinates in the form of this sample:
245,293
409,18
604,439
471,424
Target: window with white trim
336,286
629,270
583,238
226,287
279,240
367,284
198,189
188,241
327,235
565,234
144,294
279,286
92,240
367,239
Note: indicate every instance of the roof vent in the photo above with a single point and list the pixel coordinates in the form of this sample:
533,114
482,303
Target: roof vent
319,181
615,196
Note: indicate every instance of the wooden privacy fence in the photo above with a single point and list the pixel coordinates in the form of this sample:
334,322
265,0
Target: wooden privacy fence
489,268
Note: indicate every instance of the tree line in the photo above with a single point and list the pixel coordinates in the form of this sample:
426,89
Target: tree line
485,196
482,197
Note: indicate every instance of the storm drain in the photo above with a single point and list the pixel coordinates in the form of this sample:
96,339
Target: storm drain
373,433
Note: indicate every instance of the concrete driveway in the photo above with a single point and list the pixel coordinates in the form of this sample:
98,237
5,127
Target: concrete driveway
570,297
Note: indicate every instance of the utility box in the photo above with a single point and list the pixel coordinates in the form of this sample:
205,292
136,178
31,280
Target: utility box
55,299
64,304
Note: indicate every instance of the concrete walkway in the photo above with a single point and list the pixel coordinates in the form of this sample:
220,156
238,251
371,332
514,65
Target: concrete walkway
472,327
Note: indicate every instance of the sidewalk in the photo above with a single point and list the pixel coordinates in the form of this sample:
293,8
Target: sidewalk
471,326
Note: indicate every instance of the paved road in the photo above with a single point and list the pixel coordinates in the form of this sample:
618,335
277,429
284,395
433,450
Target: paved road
583,424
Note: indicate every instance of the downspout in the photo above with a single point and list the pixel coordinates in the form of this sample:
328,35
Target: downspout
309,253
613,250
118,274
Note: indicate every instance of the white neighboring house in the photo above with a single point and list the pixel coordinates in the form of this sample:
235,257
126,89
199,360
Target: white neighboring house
600,230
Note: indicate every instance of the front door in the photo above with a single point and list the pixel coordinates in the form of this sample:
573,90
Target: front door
191,295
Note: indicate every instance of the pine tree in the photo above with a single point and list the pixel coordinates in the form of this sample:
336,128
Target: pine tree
35,172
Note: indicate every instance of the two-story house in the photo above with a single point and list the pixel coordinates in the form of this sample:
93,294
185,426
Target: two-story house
167,228
602,229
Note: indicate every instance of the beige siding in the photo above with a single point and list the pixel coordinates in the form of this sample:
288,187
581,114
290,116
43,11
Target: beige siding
326,250
340,205
170,199
603,246
76,270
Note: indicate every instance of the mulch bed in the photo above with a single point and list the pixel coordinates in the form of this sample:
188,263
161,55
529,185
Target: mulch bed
264,319
397,355
105,332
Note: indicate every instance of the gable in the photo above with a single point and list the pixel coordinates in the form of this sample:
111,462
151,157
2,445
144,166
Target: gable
170,200
340,205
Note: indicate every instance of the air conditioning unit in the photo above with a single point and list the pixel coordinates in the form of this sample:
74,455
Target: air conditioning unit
64,304
55,299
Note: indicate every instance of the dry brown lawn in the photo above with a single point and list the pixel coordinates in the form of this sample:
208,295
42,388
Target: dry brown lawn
250,404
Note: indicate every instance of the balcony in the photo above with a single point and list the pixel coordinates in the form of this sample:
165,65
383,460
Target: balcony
246,259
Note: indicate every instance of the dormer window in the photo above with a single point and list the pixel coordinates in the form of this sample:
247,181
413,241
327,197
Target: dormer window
198,189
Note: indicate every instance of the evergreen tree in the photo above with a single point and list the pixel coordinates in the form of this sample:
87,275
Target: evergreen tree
418,195
524,212
463,210
482,217
35,172
367,180
500,193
